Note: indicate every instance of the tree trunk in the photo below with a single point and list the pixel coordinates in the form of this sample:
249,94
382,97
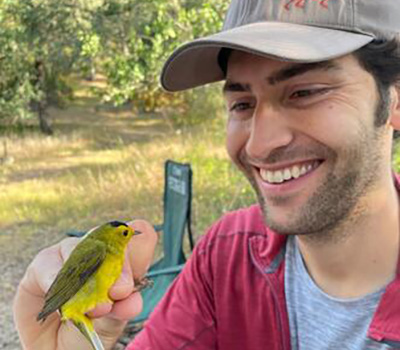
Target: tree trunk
41,103
43,122
91,76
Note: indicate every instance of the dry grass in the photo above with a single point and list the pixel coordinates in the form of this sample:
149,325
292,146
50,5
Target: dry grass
102,164
69,182
106,163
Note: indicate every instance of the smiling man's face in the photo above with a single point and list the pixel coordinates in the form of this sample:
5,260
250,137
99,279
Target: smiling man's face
304,136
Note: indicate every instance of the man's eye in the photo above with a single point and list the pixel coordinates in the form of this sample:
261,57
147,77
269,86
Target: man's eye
240,106
307,93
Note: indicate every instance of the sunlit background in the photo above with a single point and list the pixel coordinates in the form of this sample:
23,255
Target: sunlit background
85,128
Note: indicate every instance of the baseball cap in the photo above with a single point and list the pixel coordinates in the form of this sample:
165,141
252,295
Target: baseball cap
301,31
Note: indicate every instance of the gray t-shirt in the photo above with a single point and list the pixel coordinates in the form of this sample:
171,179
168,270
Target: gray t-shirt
319,321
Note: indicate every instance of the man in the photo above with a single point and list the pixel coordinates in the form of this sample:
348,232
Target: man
310,88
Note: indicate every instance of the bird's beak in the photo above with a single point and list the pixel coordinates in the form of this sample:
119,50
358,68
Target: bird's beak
136,232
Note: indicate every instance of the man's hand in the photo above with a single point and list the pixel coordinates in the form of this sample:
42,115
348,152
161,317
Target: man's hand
110,320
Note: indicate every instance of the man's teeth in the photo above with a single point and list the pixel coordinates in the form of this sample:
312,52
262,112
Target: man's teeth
293,172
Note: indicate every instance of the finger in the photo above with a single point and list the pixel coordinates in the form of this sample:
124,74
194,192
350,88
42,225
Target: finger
123,310
100,310
44,268
40,274
141,247
67,246
128,308
46,273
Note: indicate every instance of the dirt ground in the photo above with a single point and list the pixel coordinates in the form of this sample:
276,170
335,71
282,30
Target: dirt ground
16,255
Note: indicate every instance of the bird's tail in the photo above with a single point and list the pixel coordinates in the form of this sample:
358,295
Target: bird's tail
85,326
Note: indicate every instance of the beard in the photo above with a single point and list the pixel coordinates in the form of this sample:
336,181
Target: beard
335,200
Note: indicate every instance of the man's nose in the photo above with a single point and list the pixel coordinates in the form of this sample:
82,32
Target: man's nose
269,130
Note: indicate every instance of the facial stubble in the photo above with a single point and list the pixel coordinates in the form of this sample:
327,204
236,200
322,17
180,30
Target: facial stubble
334,202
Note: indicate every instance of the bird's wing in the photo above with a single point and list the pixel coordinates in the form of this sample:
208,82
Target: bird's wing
82,263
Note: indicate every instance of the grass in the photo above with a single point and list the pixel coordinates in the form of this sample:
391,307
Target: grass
102,164
106,164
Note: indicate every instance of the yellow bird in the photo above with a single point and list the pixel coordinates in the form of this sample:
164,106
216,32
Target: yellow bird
87,275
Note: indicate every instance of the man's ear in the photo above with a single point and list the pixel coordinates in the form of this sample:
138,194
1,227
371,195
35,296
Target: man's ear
394,118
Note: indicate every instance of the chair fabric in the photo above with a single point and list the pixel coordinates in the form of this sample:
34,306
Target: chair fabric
177,215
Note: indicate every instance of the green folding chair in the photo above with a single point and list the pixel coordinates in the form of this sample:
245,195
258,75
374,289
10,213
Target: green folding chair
177,214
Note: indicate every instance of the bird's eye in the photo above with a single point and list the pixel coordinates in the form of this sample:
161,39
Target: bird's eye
125,233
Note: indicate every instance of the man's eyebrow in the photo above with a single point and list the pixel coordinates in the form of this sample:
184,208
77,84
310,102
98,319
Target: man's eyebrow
283,74
296,69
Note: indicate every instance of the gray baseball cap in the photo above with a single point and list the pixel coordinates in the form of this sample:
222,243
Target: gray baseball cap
290,30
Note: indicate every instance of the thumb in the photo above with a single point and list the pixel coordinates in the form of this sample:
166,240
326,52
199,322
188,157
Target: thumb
141,248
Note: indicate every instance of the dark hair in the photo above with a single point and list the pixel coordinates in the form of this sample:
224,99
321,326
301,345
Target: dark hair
381,58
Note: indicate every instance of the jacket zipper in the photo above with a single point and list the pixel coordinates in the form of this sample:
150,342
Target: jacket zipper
278,315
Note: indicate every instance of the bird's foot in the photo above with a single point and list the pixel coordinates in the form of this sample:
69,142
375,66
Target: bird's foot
143,283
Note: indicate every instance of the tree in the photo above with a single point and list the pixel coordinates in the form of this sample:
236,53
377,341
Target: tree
137,38
42,42
45,35
16,90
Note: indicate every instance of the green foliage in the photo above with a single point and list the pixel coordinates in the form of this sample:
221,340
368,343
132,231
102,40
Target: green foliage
15,88
139,36
52,31
42,42
203,105
38,47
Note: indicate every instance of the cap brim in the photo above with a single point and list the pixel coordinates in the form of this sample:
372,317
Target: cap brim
196,63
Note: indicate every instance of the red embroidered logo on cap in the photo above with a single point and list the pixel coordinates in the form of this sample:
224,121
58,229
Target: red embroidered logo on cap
301,3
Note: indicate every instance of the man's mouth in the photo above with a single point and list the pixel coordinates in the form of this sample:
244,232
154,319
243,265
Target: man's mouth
289,173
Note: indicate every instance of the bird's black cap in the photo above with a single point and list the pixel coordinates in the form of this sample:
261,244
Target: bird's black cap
117,224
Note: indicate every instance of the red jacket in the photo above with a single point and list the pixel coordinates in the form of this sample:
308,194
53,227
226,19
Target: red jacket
230,295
